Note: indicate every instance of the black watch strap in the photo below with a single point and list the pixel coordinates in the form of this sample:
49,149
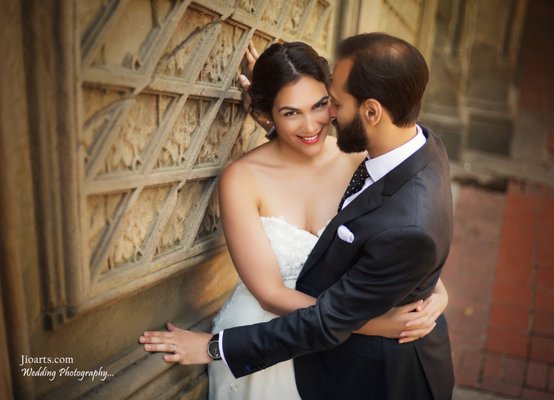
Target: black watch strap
213,347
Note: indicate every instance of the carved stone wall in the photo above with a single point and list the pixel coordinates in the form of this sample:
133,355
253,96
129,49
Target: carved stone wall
158,116
133,110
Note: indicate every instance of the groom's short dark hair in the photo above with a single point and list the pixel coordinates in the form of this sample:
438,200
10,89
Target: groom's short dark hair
389,70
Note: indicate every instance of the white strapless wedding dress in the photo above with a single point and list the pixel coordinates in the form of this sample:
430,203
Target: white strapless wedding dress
291,246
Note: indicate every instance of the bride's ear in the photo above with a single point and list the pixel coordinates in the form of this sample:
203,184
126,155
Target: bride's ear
265,120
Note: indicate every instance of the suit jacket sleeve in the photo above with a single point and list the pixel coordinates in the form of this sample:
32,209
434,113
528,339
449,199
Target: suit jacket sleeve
392,264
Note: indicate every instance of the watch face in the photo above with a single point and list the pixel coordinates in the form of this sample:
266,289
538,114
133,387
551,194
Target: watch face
213,350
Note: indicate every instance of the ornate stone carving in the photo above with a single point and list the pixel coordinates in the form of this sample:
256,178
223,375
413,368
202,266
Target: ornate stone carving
101,210
101,107
272,13
133,134
160,109
175,230
248,6
312,22
226,45
135,227
296,11
174,151
323,28
143,18
228,116
186,42
210,222
243,142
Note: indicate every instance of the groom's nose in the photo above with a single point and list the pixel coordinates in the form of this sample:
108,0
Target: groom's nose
332,110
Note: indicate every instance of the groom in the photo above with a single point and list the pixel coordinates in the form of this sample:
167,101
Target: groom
385,248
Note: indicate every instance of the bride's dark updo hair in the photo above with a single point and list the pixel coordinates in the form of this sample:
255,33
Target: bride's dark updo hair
281,64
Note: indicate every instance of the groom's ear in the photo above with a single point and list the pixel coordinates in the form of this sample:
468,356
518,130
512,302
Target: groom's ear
371,111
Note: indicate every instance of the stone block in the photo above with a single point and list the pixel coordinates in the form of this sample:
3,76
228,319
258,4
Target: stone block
491,135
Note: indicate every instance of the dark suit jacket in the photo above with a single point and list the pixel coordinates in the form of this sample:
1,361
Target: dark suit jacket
403,228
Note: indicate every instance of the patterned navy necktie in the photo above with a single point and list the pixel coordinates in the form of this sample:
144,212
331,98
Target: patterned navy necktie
356,183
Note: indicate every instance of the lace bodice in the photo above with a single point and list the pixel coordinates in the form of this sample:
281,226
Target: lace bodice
290,244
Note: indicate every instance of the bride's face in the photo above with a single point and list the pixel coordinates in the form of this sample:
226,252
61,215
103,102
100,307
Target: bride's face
301,115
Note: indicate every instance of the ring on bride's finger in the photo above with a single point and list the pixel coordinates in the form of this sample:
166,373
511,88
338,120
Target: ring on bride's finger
174,348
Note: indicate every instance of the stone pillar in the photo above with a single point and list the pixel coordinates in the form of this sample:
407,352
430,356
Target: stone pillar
442,108
17,222
470,98
491,69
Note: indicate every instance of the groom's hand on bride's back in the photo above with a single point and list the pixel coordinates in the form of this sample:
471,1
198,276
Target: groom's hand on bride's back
179,345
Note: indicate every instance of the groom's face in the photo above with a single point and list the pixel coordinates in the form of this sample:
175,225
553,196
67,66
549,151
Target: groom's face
351,134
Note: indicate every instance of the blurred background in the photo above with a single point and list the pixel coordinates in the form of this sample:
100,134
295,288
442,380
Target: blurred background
118,115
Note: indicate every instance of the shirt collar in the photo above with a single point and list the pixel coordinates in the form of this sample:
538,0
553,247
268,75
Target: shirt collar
380,166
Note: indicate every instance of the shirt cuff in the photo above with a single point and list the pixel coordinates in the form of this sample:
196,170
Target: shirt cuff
221,347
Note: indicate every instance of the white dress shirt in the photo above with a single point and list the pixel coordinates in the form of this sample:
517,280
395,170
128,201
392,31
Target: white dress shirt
377,168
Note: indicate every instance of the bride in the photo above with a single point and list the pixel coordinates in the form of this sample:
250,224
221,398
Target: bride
275,202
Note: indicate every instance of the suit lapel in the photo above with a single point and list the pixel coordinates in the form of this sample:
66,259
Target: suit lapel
367,201
372,197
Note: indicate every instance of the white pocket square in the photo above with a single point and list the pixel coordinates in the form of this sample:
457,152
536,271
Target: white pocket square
345,234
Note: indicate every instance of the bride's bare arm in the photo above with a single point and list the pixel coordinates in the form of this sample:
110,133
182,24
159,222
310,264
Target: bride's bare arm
248,245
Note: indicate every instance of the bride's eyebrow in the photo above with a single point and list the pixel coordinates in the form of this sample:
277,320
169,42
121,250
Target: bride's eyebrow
321,101
318,103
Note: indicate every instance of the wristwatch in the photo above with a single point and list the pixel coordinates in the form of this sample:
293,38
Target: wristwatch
213,347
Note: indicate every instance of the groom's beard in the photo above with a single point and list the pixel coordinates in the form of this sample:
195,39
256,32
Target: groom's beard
351,138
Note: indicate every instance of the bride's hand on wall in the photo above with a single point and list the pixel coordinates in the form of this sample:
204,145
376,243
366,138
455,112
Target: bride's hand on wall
181,346
251,55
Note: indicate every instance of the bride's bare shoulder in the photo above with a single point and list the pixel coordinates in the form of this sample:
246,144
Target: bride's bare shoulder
242,172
